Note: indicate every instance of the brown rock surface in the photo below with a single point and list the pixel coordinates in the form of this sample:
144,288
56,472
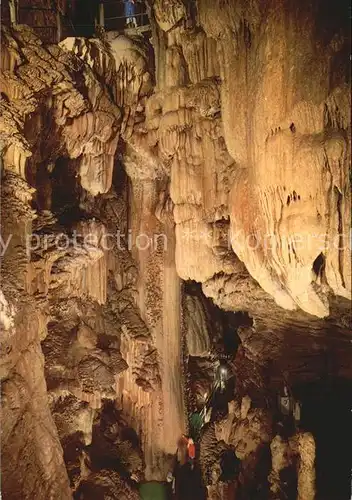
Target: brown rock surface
226,165
278,227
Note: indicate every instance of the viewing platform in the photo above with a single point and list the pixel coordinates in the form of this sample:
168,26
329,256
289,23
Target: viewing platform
81,20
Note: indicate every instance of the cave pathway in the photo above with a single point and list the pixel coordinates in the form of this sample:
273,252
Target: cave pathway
153,490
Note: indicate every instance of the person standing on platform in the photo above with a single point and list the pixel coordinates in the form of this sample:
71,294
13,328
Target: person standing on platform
130,11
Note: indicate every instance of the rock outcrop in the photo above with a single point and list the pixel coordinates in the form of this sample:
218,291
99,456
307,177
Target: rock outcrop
215,151
239,147
59,136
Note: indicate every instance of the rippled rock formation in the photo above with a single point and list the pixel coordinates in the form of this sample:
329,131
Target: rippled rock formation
164,198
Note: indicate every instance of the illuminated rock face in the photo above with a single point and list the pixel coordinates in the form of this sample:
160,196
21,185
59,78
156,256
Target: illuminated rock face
61,341
82,122
226,160
267,149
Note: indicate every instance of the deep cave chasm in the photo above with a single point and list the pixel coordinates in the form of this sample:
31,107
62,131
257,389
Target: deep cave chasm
175,250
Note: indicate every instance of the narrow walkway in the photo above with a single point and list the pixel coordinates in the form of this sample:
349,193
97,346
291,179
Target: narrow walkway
153,490
189,485
82,19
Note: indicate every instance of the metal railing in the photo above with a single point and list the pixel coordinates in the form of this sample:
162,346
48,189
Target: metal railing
65,25
57,26
107,21
126,17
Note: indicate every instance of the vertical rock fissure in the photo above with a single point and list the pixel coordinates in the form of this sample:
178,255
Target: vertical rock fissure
340,234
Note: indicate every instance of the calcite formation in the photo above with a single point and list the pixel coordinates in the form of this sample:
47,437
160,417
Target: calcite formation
260,135
152,187
296,453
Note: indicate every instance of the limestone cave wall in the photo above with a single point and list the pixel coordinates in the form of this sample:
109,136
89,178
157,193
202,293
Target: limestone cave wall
159,194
